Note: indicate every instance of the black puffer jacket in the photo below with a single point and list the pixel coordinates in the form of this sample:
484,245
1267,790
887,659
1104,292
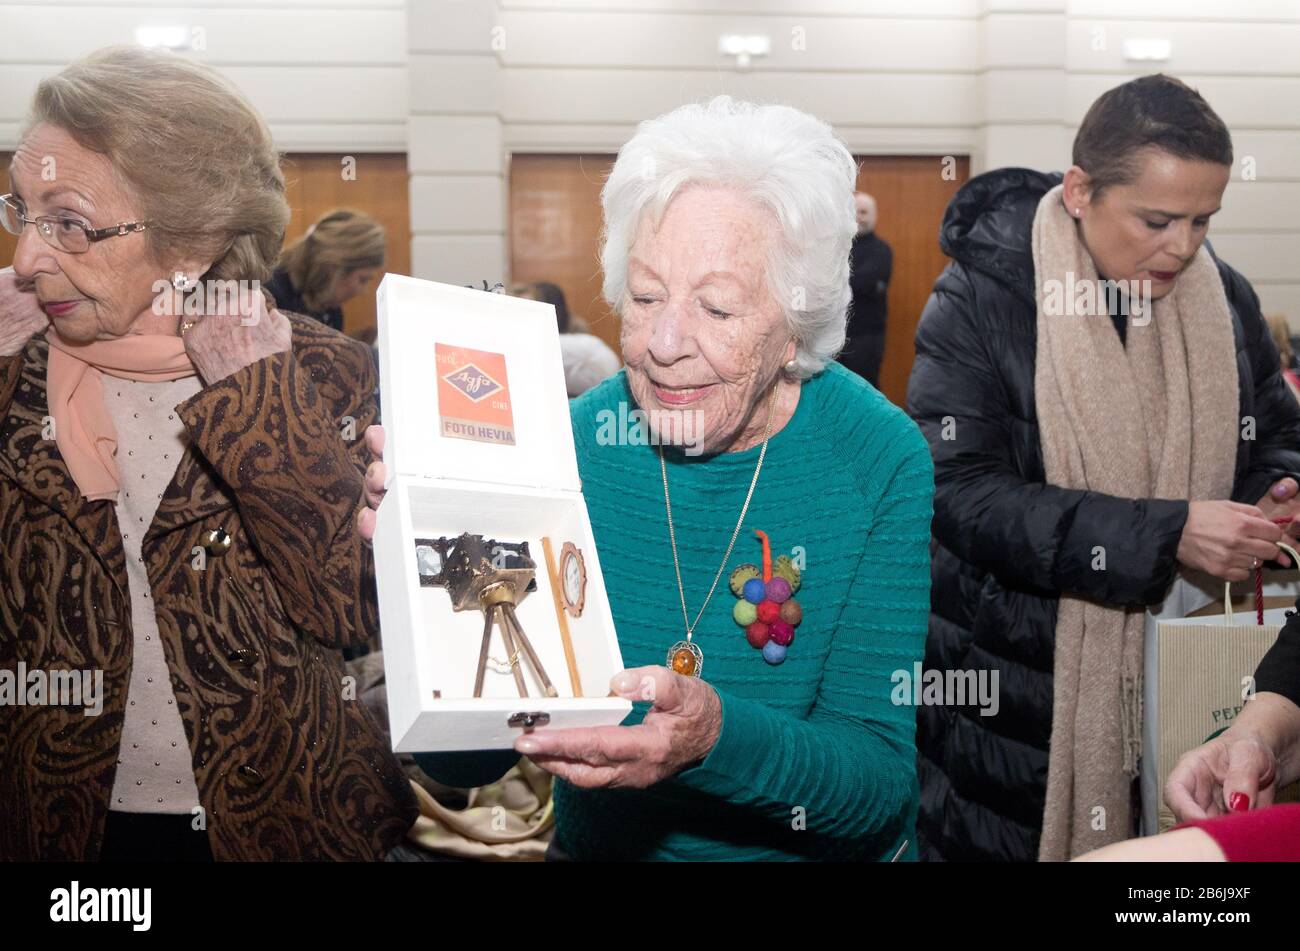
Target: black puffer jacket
1005,542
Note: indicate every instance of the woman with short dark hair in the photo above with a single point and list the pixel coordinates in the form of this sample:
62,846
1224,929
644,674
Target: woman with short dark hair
1105,411
587,359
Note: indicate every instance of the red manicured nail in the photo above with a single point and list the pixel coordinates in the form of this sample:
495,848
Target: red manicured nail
1239,802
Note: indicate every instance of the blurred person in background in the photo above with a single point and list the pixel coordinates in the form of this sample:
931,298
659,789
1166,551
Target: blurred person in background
587,359
871,262
339,257
1281,331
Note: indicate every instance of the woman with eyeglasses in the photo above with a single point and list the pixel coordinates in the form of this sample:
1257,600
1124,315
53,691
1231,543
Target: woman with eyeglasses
179,480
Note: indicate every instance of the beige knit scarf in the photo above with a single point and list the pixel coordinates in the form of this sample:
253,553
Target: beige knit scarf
1155,419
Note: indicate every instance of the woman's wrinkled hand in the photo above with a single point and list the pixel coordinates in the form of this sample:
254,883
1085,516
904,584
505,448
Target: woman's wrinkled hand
679,730
1234,771
21,317
240,333
1243,766
1226,539
375,476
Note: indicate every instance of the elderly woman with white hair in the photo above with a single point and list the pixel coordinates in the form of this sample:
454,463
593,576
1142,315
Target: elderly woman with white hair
770,723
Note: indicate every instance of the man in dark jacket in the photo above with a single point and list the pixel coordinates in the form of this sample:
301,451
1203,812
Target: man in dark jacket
870,264
1006,543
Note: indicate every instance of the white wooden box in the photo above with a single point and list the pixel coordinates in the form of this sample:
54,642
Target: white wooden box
440,485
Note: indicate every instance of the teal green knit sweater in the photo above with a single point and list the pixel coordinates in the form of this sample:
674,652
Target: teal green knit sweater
813,759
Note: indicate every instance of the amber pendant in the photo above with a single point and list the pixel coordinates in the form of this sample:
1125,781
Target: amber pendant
686,659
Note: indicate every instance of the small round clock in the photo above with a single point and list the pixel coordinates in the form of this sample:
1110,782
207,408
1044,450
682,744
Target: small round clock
573,579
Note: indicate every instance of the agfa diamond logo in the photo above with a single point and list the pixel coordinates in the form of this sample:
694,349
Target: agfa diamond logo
473,382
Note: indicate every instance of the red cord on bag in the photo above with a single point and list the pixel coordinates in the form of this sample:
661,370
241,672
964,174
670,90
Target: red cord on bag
1259,595
1259,577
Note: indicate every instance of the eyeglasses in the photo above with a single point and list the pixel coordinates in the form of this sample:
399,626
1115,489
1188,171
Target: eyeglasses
60,232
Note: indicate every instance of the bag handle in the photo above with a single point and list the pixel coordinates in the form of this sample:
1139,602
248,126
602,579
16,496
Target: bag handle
1259,588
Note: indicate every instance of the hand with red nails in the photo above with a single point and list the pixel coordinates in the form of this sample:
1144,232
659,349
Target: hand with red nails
678,731
1241,768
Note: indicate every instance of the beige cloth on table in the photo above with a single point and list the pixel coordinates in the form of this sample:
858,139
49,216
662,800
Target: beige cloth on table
1155,419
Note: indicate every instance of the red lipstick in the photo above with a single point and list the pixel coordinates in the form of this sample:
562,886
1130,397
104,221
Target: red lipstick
58,308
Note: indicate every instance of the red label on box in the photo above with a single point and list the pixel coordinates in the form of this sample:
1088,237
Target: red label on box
474,395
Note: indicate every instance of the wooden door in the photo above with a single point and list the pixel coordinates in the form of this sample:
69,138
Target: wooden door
316,183
911,193
555,226
555,236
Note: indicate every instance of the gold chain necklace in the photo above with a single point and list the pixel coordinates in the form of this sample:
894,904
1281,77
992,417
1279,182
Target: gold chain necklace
685,657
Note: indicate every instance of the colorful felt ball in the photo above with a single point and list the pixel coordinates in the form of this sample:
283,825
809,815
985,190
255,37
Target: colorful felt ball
783,567
758,634
773,653
791,612
755,590
778,589
740,575
744,613
769,611
782,633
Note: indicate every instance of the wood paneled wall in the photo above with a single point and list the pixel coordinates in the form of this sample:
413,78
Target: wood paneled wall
555,225
315,185
911,194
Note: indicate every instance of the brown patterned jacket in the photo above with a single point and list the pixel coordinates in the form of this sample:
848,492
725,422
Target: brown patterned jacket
289,765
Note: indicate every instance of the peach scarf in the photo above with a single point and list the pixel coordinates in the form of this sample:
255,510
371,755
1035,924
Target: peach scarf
83,427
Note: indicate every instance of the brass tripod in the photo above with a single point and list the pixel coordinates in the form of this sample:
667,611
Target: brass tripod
498,603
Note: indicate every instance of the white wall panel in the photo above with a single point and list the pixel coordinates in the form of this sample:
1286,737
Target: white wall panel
328,75
685,41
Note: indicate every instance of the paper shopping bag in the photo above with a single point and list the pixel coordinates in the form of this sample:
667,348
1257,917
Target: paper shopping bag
1206,670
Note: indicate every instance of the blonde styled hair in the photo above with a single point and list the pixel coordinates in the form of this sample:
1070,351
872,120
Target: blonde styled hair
342,240
1281,331
198,159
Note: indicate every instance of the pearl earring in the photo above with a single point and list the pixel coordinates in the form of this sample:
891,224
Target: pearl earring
791,366
1076,212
